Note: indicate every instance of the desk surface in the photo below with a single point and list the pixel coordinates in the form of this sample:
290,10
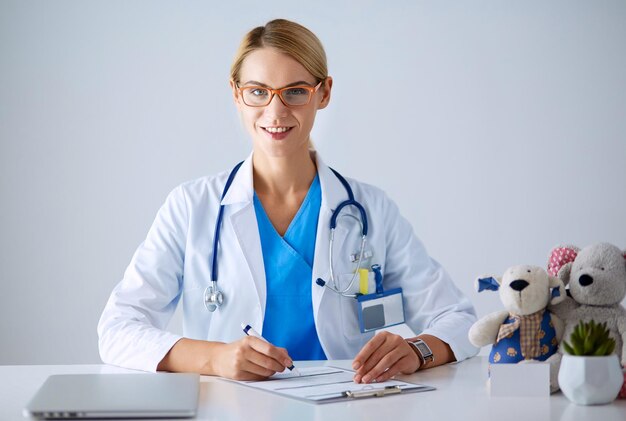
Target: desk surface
461,394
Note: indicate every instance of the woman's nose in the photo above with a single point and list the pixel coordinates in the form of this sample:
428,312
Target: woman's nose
276,106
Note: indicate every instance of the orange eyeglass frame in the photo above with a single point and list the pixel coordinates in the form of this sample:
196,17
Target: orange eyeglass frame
279,92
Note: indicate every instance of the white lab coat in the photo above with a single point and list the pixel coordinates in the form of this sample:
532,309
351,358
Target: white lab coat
174,262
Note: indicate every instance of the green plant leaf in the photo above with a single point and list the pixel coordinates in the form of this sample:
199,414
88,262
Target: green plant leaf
590,338
568,348
577,341
601,350
588,345
611,346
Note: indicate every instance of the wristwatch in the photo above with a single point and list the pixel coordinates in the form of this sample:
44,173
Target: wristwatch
423,351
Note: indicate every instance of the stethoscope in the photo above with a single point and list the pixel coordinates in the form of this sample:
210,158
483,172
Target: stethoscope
214,298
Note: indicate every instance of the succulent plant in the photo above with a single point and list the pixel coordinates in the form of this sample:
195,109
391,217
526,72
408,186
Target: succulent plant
590,339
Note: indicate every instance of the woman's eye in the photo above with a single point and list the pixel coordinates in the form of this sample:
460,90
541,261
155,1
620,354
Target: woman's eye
258,92
296,91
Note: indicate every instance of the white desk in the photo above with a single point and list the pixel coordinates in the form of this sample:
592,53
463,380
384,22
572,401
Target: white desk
460,395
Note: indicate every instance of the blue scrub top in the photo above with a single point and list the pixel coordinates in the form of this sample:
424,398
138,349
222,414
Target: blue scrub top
288,265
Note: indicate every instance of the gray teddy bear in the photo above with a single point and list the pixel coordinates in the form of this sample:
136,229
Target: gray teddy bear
596,276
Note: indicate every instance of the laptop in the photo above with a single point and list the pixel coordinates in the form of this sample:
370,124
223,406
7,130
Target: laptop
145,395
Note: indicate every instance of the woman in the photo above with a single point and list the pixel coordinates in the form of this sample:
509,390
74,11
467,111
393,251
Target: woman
273,250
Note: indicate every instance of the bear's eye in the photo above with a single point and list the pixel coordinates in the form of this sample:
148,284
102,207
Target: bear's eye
601,268
528,271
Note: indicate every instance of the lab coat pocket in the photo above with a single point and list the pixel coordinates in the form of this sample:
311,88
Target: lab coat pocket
349,305
193,294
192,283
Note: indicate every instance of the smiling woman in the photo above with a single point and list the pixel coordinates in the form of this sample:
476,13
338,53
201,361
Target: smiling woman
267,73
272,242
294,41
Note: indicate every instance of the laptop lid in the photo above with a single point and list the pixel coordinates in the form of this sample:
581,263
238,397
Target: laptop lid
145,395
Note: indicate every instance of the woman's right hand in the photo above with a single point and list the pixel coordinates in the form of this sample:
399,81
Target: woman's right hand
249,358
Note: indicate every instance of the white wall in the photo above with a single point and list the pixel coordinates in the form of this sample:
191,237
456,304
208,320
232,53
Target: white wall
498,127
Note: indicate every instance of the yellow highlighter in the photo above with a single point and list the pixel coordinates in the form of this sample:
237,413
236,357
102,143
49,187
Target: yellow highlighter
363,281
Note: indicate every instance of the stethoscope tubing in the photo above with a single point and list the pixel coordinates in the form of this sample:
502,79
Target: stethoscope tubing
213,298
218,223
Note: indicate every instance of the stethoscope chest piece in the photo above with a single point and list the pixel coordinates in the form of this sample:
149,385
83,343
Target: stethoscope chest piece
213,297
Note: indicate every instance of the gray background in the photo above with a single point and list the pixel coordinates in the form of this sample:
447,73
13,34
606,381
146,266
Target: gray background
497,126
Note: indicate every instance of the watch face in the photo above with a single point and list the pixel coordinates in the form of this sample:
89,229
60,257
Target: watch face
424,349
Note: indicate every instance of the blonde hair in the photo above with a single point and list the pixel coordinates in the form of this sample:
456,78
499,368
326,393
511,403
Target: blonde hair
287,37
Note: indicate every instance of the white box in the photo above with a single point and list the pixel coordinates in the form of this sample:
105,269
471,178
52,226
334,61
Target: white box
520,380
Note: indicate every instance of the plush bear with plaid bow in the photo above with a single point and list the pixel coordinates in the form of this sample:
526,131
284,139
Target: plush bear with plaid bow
525,331
596,276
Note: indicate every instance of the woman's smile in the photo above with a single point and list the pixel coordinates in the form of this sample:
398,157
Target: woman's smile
277,132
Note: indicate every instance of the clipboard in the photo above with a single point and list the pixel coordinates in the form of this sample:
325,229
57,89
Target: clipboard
327,384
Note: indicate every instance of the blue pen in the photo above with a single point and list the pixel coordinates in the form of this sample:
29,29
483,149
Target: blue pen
378,277
247,329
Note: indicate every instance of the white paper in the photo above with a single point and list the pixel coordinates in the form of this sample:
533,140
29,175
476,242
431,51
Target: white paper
520,380
322,383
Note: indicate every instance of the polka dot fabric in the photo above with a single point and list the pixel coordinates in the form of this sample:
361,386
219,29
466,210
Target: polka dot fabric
559,257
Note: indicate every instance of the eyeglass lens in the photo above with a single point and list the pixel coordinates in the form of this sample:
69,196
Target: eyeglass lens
291,96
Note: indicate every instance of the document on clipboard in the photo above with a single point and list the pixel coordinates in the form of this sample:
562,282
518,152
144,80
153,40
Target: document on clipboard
325,384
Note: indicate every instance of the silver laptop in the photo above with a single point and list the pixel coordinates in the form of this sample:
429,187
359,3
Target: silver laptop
145,395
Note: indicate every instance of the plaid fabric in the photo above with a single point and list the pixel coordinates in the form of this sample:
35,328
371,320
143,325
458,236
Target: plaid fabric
529,329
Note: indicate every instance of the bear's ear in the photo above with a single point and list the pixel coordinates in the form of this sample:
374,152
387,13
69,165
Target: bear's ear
564,273
490,283
560,257
558,290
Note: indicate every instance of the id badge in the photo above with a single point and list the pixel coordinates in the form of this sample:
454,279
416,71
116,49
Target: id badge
380,310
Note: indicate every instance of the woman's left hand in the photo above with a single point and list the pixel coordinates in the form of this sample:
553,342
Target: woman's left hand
384,356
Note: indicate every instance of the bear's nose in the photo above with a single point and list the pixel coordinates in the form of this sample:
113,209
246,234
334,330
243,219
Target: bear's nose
518,284
585,280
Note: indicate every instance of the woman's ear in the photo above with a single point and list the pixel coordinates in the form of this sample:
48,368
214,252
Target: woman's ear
326,88
233,87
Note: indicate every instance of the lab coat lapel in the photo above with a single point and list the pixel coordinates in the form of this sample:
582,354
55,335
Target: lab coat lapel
333,193
245,226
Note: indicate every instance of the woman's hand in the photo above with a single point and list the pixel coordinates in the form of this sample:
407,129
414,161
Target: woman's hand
249,358
384,356
246,359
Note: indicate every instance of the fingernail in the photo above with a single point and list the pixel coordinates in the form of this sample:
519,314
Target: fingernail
366,379
287,363
356,365
357,379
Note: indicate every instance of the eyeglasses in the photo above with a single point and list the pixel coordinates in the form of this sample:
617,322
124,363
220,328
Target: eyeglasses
291,96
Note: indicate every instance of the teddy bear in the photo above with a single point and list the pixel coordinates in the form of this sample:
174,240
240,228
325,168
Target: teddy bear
596,276
525,331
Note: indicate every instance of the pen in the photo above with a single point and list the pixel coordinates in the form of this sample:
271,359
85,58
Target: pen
247,329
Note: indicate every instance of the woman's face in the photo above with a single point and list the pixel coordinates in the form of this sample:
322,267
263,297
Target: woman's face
276,129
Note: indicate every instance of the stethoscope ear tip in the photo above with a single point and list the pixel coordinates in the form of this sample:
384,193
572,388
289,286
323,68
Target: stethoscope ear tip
320,282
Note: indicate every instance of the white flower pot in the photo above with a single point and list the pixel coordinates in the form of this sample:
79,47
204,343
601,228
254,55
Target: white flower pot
590,380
